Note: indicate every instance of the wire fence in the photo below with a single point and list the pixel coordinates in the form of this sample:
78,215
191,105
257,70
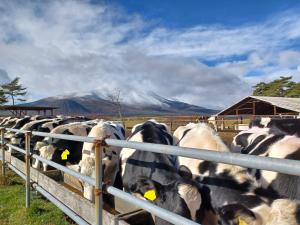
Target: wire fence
286,166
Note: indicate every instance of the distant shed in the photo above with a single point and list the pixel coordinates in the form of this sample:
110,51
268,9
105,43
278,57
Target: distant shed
263,106
236,117
16,110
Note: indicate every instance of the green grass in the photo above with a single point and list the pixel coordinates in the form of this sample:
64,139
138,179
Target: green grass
12,205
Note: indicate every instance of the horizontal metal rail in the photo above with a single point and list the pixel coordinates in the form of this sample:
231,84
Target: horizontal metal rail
16,148
65,137
157,211
59,136
52,199
84,178
286,166
16,130
61,206
22,175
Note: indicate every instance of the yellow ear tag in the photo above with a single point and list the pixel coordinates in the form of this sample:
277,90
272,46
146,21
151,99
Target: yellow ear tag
150,195
242,222
64,155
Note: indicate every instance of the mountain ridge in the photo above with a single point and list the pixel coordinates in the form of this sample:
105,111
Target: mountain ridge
93,104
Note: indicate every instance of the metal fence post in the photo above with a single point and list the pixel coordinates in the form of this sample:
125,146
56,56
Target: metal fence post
27,161
3,151
98,186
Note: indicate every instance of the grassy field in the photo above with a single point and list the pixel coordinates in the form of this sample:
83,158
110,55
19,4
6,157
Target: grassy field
12,205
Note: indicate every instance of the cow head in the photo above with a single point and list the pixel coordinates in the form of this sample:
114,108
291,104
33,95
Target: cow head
237,214
46,152
110,154
178,197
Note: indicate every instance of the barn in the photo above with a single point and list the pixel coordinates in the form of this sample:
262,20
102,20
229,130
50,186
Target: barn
263,106
256,106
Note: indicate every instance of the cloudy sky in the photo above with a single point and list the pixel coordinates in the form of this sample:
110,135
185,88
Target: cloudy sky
207,53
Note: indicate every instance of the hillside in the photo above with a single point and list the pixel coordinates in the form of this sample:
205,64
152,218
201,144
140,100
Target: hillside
91,104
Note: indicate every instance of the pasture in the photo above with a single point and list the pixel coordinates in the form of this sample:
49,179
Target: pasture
12,201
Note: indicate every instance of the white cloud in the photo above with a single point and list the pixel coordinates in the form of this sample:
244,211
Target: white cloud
60,47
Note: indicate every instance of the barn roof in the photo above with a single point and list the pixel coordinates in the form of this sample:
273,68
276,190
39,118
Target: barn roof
291,104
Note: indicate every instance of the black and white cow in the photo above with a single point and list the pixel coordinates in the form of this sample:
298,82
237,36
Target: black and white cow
262,142
111,154
19,138
4,120
21,122
160,168
286,126
280,211
183,197
10,122
54,149
227,184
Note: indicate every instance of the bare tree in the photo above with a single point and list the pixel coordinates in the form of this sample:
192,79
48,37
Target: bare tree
115,98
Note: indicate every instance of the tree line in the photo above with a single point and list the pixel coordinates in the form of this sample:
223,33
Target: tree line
282,87
12,91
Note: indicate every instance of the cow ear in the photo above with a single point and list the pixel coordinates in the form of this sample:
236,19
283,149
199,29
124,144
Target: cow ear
236,214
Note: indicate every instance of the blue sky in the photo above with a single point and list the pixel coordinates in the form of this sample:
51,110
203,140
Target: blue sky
208,53
183,14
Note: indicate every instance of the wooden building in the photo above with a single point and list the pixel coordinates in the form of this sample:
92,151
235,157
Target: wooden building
263,106
16,110
237,116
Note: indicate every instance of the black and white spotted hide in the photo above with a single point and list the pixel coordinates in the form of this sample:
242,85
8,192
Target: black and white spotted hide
161,168
57,147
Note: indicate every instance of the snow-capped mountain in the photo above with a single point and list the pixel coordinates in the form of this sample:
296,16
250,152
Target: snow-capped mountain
132,104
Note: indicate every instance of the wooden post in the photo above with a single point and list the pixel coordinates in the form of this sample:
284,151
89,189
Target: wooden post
27,163
275,110
253,108
222,124
3,151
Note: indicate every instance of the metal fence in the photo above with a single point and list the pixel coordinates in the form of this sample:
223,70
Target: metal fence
285,166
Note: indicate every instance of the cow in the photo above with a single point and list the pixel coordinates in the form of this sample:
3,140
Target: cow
280,212
284,185
286,126
247,141
200,136
4,120
21,122
111,154
160,168
226,183
19,138
47,127
9,122
262,142
63,151
183,197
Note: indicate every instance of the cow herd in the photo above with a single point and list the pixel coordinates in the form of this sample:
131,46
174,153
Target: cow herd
206,192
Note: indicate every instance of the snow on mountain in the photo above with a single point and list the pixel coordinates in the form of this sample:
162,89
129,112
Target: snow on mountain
133,103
